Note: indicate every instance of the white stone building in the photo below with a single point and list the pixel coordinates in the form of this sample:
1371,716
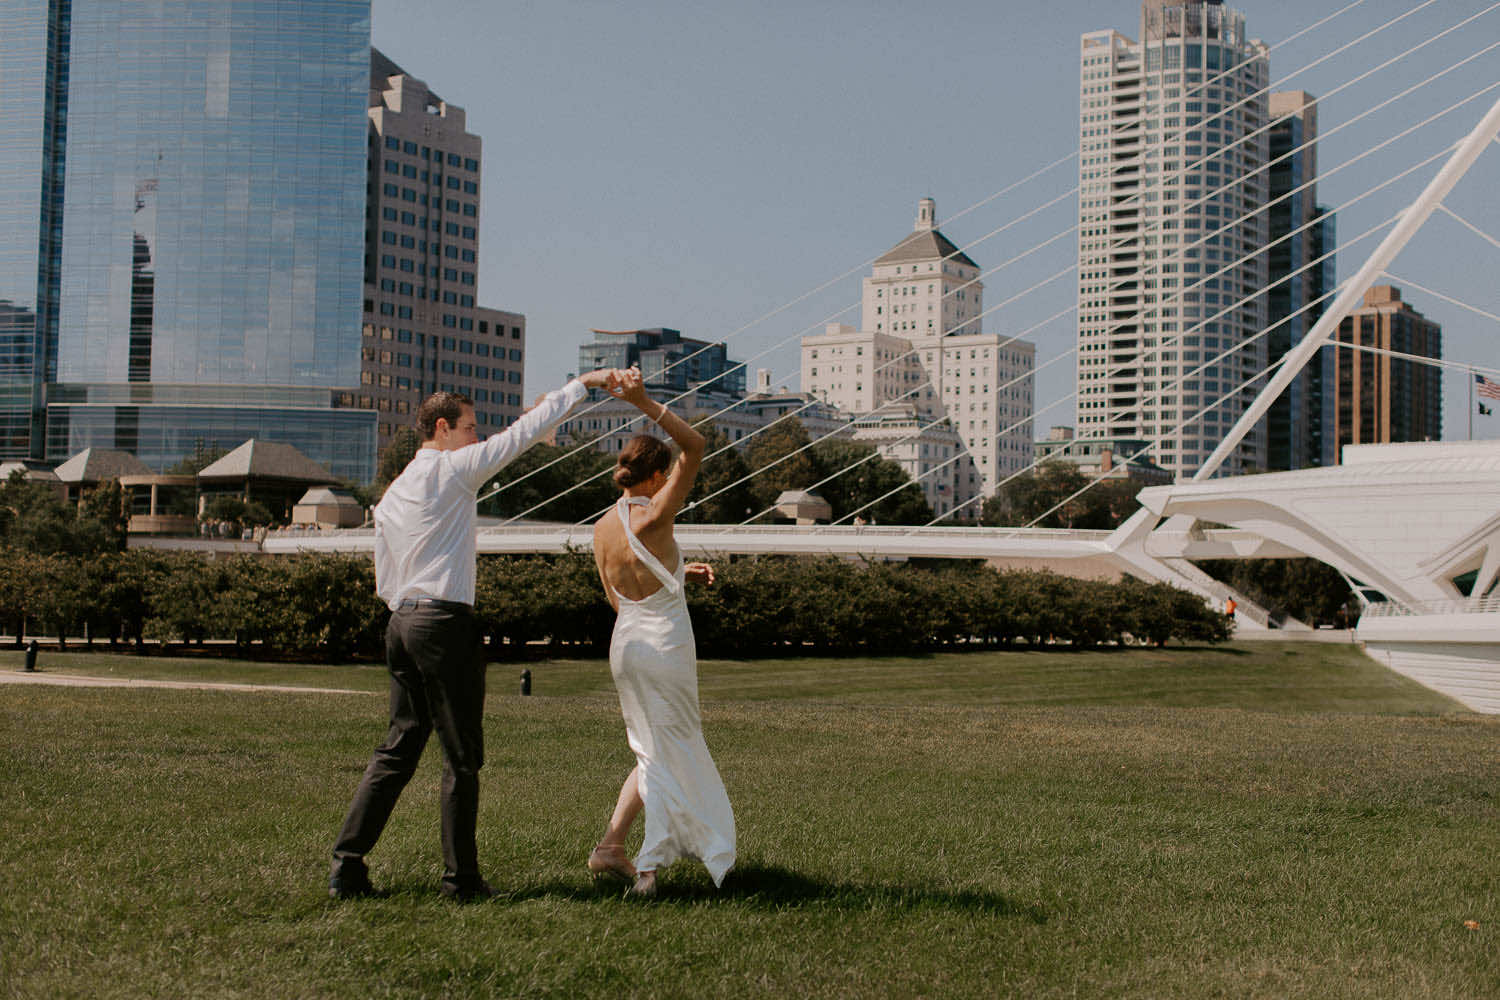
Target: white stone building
926,453
920,342
1170,197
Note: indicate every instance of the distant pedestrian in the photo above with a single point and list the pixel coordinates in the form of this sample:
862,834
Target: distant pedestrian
424,570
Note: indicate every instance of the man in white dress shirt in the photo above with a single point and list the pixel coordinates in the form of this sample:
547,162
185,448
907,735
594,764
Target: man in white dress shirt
424,570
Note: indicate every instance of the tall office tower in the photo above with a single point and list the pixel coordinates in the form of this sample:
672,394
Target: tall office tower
423,330
920,344
1377,398
1171,230
183,186
1300,271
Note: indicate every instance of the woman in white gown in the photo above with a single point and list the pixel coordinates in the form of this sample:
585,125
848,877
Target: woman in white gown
655,663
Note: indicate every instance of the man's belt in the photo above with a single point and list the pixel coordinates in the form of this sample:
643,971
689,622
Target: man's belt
452,607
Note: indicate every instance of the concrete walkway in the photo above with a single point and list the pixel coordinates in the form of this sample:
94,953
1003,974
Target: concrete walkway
77,680
1339,635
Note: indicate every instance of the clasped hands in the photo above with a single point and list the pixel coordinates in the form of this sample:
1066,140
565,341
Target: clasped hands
622,383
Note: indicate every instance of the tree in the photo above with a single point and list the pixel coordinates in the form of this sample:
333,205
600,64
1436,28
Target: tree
241,513
34,519
774,456
107,507
1078,501
397,455
201,458
730,500
559,485
866,477
1306,589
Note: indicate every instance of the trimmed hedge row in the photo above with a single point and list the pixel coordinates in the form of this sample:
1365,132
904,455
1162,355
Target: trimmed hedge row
325,605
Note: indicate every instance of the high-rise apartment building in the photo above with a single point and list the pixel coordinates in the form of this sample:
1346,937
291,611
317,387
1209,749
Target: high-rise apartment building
423,329
180,233
1171,231
1375,398
920,342
1300,273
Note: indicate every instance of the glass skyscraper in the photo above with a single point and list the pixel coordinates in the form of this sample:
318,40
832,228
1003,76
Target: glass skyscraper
183,211
1300,272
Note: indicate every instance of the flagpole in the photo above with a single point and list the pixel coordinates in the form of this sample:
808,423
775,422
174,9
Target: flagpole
1470,379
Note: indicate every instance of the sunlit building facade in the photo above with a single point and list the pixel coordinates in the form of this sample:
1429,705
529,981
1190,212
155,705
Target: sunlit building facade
1172,230
424,330
920,344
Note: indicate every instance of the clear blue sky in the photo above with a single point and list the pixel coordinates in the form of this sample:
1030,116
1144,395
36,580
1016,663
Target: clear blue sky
701,165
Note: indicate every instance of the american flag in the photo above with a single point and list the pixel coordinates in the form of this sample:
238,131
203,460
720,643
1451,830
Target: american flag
1485,387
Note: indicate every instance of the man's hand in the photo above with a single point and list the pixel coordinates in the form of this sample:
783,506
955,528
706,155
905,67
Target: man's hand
696,572
601,378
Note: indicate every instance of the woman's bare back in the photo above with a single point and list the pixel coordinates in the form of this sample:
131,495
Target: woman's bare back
620,570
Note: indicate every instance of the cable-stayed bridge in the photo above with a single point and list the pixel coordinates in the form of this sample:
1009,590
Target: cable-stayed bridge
1415,529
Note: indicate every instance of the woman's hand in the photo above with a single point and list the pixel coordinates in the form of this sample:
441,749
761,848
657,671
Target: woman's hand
696,572
631,388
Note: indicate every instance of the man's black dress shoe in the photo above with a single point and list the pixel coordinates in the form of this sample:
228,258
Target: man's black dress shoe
468,892
350,887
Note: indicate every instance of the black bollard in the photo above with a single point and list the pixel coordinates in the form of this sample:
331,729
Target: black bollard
31,657
526,682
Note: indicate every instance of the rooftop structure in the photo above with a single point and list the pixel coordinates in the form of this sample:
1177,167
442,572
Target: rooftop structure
667,359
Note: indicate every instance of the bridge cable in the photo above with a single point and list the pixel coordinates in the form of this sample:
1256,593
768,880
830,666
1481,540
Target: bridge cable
1305,30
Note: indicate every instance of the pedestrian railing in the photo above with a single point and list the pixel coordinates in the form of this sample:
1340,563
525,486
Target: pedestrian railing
1459,606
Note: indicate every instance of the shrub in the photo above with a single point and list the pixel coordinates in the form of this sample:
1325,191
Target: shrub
325,605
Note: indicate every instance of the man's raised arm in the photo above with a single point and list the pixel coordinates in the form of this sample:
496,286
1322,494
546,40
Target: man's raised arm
479,462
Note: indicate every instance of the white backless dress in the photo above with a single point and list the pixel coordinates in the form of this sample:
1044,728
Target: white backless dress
654,661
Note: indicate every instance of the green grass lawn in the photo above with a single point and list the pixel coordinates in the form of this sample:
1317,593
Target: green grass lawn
1263,819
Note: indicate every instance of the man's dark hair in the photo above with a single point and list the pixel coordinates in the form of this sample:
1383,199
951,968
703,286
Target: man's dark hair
448,406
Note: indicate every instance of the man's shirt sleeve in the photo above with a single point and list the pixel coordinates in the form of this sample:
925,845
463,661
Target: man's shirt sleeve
479,462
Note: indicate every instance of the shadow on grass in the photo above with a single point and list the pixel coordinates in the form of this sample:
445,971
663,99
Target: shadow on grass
763,886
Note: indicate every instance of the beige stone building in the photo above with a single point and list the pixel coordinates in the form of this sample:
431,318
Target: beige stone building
423,327
920,343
